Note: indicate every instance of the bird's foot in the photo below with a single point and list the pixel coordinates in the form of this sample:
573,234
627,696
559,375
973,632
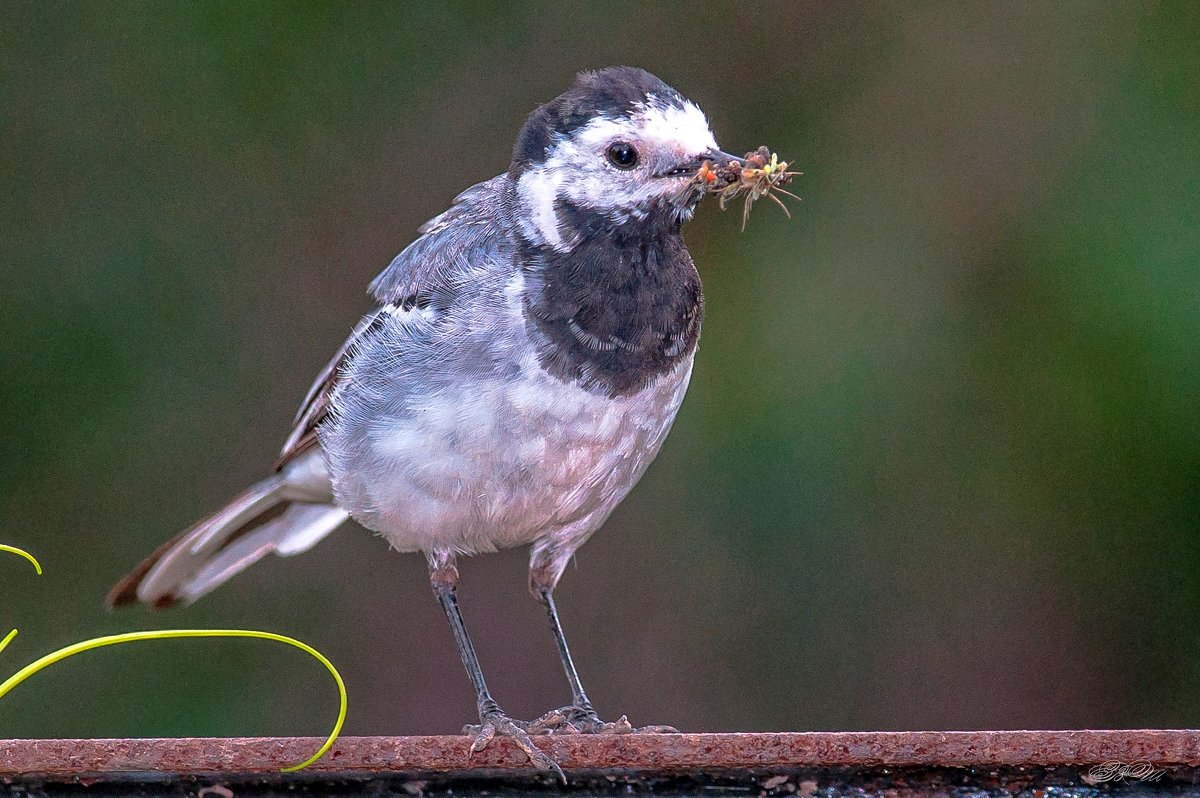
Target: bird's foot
584,720
497,723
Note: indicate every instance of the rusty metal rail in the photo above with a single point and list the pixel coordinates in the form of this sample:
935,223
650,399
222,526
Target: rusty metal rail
856,763
633,752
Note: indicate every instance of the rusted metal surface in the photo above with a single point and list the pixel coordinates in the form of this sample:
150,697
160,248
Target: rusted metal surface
660,754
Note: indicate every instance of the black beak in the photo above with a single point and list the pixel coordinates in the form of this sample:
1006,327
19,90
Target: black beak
689,167
719,157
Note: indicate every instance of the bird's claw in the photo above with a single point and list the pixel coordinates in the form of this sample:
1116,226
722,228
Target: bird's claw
584,720
576,720
500,724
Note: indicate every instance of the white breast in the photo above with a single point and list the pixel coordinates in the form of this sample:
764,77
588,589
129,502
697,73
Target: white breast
507,462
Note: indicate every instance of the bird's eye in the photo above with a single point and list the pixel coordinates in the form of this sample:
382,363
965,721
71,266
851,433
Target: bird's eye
622,155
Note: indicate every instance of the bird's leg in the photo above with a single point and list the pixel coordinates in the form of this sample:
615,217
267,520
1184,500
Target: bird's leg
443,576
579,717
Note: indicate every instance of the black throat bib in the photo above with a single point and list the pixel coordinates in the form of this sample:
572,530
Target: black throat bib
622,307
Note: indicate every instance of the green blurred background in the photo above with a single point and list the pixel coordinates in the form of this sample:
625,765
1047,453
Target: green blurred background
939,466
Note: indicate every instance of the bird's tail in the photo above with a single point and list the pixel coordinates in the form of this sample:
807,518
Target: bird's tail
281,514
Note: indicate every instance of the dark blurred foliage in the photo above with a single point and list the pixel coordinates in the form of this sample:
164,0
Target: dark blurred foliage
939,466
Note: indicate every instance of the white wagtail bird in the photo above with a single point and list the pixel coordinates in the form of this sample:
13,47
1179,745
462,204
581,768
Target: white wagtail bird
526,359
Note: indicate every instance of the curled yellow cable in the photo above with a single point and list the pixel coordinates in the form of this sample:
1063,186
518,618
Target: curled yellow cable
167,634
37,566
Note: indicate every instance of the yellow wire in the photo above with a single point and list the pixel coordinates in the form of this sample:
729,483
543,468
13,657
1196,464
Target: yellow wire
37,566
130,637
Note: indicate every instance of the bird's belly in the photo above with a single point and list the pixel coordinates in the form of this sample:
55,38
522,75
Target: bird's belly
506,462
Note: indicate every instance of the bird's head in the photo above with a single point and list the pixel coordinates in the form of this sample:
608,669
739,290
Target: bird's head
619,146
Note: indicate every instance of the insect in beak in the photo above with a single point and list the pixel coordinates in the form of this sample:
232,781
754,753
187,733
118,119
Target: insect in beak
756,176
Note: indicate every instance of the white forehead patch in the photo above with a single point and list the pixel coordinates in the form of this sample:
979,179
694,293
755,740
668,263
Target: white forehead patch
680,129
682,126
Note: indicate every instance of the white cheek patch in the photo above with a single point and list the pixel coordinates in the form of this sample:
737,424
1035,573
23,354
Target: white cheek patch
576,167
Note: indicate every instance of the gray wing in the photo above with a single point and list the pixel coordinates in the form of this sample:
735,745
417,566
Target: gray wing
439,257
428,271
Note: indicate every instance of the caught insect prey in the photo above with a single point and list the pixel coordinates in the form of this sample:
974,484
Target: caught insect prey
762,174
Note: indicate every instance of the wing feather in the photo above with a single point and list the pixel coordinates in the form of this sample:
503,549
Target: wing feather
315,406
426,273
